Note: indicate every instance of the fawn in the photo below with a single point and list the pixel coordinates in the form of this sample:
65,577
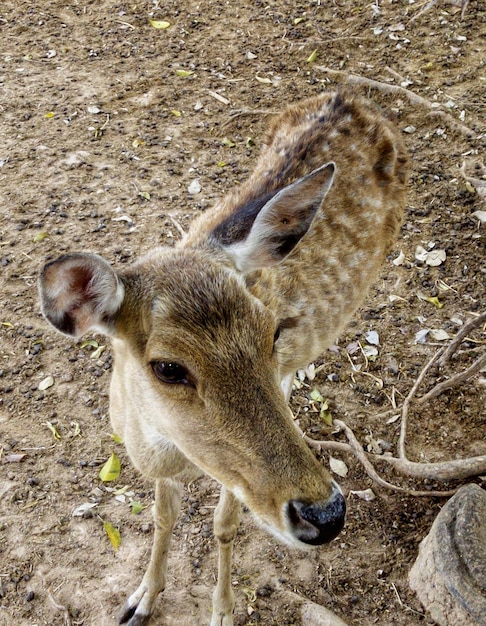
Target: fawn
207,335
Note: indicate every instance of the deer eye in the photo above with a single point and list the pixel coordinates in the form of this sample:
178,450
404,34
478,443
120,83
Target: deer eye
171,373
277,334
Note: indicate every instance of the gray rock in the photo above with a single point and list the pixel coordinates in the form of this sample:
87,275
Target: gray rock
449,575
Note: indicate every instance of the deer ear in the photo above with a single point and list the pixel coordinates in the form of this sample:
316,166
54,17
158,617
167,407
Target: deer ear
80,292
282,221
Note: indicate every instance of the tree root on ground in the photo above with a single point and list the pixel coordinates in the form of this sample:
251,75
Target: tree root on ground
354,79
457,469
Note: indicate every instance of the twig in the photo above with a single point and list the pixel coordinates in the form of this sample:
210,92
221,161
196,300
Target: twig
408,400
423,10
240,112
414,98
178,226
433,3
457,379
464,8
461,335
59,607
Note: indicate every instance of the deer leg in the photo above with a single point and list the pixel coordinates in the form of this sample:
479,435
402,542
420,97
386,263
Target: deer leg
226,522
140,604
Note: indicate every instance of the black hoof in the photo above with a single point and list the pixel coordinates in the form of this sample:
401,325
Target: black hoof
130,618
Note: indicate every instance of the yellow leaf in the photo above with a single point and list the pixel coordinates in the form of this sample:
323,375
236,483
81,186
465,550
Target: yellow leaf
136,143
298,20
312,57
184,73
176,113
116,438
39,237
50,114
111,469
435,301
90,342
53,430
113,534
7,325
144,194
160,24
432,299
228,142
326,415
98,352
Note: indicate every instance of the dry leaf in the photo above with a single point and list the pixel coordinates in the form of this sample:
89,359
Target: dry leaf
370,352
338,467
438,334
265,81
421,335
80,510
435,257
46,383
367,494
480,215
373,338
400,259
13,458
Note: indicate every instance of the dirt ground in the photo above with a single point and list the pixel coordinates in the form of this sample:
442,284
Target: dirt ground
105,123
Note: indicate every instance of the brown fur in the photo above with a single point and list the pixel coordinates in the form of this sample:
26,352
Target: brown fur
259,287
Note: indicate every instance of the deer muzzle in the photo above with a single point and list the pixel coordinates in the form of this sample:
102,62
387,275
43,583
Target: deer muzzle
316,523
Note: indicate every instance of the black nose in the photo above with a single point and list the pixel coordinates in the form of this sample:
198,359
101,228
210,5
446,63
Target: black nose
318,522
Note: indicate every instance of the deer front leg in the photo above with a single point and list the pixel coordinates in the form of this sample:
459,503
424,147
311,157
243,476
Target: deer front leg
226,522
139,606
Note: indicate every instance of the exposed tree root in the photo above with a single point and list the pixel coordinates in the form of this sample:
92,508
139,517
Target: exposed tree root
432,3
457,469
414,98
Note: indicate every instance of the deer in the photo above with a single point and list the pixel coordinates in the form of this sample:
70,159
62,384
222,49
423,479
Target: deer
207,335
